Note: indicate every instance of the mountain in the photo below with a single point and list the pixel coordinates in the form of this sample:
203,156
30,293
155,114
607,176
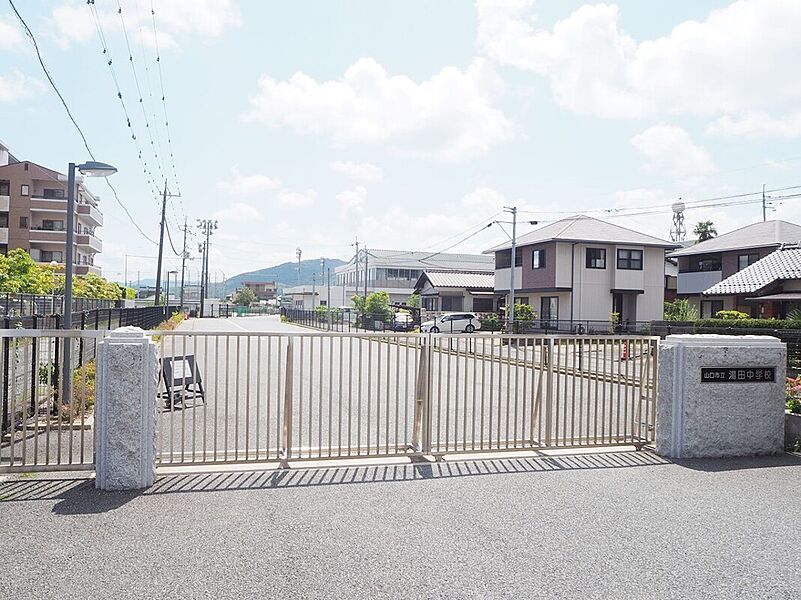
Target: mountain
285,274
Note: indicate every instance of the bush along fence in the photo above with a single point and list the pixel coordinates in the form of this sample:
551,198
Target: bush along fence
32,367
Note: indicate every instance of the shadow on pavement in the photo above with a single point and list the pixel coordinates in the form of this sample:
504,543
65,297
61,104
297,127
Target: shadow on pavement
79,496
715,465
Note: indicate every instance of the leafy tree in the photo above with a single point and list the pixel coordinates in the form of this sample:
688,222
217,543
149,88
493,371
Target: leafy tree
19,274
680,310
377,305
705,230
244,297
524,312
358,303
130,293
414,301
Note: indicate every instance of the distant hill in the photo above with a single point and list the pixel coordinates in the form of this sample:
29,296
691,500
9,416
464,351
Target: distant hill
285,274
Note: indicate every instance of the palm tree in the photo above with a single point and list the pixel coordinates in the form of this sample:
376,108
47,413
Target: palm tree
705,230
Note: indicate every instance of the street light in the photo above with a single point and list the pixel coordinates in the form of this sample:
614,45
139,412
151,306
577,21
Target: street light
167,300
90,169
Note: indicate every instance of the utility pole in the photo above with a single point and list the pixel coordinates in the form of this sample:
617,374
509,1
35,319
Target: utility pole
161,244
314,288
764,211
161,239
329,288
357,264
365,273
183,266
510,310
298,253
322,275
207,227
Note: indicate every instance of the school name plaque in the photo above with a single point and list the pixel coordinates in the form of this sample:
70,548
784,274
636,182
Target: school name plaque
738,374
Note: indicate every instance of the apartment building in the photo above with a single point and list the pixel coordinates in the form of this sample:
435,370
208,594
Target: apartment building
584,269
33,214
264,290
705,264
397,271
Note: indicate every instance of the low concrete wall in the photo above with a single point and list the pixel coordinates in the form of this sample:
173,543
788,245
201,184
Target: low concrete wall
739,416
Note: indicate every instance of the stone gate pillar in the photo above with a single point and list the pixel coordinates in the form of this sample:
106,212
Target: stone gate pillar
720,395
125,411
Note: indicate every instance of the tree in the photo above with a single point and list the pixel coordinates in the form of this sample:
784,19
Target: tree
244,296
705,230
377,306
680,310
19,274
413,301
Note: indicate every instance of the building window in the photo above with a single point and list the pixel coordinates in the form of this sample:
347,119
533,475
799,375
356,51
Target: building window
23,189
709,308
5,188
744,260
23,222
48,256
596,258
451,302
630,260
50,225
3,219
53,194
538,259
3,248
503,259
484,305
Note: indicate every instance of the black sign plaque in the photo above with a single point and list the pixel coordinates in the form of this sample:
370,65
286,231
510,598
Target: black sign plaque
738,374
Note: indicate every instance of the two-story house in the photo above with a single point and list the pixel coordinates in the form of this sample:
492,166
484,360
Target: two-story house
707,263
585,269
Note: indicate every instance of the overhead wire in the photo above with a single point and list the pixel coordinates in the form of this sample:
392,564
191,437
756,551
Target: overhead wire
78,128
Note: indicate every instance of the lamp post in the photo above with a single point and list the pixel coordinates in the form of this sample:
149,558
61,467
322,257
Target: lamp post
90,169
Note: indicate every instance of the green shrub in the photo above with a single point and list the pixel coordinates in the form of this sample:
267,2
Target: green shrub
680,310
490,322
748,324
732,315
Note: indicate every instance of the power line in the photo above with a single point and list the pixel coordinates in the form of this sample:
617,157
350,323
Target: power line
30,35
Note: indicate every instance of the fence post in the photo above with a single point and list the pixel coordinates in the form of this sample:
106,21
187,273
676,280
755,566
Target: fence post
80,341
549,392
286,441
421,432
125,411
6,383
34,364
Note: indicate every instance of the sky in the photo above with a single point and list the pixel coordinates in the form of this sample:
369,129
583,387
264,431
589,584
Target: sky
406,125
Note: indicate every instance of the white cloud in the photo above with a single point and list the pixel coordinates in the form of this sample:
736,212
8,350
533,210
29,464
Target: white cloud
757,124
449,117
740,58
247,185
357,171
352,201
239,212
296,199
670,150
16,86
72,21
11,37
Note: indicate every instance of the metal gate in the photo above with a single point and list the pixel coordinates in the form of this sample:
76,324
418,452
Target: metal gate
248,397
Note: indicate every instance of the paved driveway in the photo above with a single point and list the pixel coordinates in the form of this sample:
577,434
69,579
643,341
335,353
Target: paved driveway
613,525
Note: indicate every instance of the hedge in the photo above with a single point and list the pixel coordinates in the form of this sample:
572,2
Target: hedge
748,323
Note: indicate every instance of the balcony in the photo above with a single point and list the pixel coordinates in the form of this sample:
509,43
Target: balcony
697,282
87,269
89,241
39,204
91,214
47,236
4,203
3,235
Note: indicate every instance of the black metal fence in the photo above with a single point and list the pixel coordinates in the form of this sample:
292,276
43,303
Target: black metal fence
339,320
146,317
22,305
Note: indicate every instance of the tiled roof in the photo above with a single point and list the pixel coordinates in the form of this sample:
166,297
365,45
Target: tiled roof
757,235
461,279
785,263
412,259
582,228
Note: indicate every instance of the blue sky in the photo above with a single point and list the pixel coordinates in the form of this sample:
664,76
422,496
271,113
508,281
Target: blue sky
407,123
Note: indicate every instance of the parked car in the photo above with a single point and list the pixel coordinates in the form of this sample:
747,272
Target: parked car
452,323
402,322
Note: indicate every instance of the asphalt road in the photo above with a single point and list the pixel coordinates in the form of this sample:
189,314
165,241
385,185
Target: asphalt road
610,525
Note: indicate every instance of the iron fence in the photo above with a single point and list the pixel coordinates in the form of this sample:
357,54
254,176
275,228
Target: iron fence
22,305
351,321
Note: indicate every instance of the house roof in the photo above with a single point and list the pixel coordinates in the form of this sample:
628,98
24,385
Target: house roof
581,228
784,263
484,280
413,259
756,235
